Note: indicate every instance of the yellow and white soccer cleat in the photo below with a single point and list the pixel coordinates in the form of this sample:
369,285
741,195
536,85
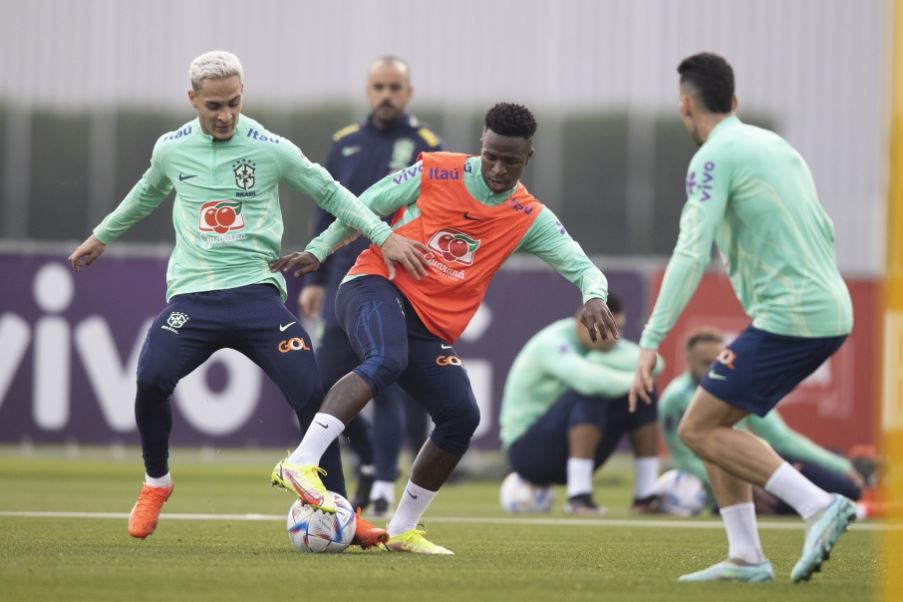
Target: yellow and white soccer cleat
413,541
304,481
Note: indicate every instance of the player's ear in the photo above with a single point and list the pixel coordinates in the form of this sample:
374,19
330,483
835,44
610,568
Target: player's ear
193,98
685,105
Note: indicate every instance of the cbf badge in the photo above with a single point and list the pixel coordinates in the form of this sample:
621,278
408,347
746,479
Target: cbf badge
402,153
175,321
244,174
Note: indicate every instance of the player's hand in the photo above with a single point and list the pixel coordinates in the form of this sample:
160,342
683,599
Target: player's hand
310,300
642,379
86,253
302,262
409,253
598,320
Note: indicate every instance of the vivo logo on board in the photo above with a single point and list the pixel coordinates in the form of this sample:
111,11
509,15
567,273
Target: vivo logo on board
55,344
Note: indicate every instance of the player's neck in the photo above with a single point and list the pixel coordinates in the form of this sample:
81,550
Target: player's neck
708,122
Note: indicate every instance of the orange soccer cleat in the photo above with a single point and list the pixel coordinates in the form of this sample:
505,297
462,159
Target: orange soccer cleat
366,535
144,515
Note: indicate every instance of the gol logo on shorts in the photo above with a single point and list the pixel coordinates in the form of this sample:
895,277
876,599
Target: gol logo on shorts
293,344
448,360
727,358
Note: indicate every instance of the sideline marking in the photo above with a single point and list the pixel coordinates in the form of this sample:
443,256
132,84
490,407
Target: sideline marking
462,520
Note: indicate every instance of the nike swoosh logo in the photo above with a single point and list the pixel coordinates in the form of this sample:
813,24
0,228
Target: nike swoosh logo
446,346
325,426
716,376
183,177
469,216
282,328
413,497
350,150
312,498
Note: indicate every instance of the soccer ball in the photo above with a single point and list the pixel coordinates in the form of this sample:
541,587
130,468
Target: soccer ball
312,530
518,495
682,493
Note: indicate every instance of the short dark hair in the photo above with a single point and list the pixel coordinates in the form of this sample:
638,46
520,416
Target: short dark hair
614,304
712,77
706,334
509,119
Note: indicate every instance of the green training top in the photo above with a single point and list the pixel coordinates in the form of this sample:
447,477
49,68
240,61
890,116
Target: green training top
752,193
546,238
554,361
787,442
226,212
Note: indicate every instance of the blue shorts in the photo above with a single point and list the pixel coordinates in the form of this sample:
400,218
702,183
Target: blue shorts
251,319
758,368
392,345
540,455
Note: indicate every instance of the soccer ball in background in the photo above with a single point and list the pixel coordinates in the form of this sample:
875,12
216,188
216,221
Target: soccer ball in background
312,530
682,494
518,495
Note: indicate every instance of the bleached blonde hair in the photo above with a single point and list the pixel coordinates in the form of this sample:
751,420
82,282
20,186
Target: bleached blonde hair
216,64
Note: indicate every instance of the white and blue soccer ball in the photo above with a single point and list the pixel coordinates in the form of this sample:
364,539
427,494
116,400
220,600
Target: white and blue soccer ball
682,493
518,495
312,530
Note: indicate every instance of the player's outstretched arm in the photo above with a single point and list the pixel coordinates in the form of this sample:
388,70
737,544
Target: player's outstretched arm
409,253
642,379
86,253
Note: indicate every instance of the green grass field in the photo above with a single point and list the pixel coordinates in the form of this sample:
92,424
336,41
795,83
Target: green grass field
498,556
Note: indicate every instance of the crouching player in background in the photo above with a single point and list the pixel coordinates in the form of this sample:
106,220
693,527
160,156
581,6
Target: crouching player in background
831,472
565,409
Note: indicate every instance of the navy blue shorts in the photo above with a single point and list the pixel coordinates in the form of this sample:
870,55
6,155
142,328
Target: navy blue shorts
252,320
393,345
540,455
758,368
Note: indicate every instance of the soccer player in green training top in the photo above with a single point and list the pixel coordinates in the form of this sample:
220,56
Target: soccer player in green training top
225,168
564,411
828,470
751,193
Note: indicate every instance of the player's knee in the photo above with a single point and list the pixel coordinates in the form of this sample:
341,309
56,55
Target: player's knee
465,420
153,387
454,429
690,434
383,370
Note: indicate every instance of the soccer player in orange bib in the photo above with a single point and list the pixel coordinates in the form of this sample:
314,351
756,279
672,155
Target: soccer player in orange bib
470,213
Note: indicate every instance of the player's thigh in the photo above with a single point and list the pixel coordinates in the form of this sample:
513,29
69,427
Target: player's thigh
271,337
706,412
436,378
758,368
188,330
371,312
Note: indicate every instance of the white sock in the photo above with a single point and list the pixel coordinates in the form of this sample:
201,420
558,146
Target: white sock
645,472
580,476
799,492
742,535
164,481
383,490
367,470
414,502
322,431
